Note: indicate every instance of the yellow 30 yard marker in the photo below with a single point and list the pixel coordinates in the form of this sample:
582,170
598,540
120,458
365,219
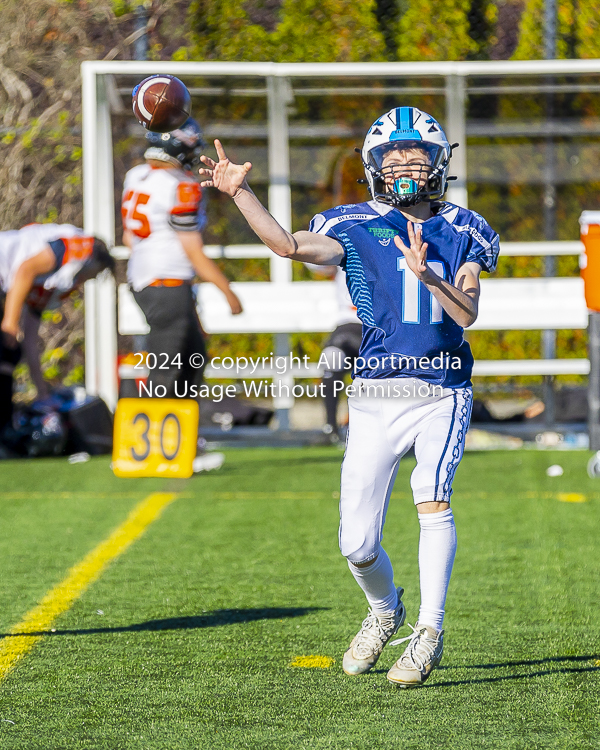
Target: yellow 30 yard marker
21,639
155,437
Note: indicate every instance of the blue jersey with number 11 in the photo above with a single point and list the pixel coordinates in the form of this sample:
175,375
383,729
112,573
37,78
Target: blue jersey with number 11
400,316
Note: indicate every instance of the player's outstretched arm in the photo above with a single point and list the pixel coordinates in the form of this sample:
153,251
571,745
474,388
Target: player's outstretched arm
459,300
231,179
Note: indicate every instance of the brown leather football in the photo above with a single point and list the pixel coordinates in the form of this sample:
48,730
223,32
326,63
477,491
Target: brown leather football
161,103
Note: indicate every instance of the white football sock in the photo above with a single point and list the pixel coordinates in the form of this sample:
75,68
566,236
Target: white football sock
437,547
377,581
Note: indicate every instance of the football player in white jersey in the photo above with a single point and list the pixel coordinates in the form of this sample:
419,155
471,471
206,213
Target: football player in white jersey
163,216
37,262
412,263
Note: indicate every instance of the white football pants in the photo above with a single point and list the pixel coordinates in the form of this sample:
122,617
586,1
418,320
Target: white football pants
381,430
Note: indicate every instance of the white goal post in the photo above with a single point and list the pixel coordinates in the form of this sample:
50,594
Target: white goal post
451,80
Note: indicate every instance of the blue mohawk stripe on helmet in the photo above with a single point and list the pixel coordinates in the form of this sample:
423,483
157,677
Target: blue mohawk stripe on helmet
404,118
405,126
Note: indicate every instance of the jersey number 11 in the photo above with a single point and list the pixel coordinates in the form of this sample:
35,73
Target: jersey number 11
411,293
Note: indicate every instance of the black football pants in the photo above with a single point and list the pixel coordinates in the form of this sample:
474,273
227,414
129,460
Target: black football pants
174,329
346,339
9,358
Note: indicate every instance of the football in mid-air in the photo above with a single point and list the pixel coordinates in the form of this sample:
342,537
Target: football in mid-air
161,103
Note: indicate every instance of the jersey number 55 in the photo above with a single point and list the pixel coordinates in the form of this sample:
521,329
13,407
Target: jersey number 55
133,218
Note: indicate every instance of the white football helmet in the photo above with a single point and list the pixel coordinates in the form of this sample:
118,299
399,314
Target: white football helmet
421,173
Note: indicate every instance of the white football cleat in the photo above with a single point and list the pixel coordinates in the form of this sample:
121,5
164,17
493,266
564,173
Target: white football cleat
369,642
423,653
208,462
593,467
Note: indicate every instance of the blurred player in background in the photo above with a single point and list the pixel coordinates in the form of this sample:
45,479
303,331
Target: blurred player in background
37,263
163,216
412,264
340,350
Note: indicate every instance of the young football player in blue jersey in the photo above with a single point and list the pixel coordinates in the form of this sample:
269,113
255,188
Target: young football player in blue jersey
412,263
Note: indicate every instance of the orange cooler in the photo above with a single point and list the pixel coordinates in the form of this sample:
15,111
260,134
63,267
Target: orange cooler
590,261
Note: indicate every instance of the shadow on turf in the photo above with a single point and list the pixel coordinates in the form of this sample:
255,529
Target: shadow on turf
210,620
524,663
502,678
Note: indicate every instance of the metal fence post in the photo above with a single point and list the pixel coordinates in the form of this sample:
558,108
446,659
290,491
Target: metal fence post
280,194
549,29
594,382
549,335
99,220
456,132
280,94
140,45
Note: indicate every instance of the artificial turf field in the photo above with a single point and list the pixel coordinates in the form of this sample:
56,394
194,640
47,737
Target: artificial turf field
187,640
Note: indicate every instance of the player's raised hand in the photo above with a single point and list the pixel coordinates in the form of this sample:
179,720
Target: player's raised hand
224,174
416,253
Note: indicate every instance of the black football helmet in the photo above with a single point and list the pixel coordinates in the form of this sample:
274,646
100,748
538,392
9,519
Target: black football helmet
180,148
98,261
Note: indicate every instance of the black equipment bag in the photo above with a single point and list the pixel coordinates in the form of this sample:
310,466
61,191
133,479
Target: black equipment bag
90,427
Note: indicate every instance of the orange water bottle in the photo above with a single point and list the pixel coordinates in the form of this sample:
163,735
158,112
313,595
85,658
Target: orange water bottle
589,222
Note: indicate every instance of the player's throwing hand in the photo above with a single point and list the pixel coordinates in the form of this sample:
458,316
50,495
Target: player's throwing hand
416,254
224,175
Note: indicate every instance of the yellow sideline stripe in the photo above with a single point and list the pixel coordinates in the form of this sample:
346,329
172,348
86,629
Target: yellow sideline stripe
61,597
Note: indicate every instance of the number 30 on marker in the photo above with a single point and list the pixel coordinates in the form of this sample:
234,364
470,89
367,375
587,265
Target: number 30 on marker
155,437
